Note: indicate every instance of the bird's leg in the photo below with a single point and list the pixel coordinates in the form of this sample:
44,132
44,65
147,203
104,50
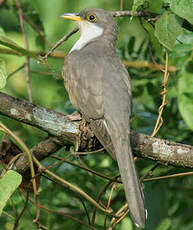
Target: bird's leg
86,140
76,116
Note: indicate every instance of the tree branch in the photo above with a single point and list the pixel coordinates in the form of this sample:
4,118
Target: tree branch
126,13
62,55
48,120
65,131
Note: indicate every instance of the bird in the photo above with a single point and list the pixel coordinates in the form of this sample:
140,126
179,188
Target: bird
99,87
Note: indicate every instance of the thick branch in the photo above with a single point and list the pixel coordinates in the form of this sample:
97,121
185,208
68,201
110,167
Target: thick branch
46,119
40,151
66,132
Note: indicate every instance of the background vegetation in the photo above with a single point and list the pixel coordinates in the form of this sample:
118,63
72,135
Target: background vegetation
142,41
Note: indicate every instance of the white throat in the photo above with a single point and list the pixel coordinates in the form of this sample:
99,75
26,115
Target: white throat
88,31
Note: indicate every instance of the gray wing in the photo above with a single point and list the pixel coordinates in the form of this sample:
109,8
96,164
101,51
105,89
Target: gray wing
85,90
102,94
86,94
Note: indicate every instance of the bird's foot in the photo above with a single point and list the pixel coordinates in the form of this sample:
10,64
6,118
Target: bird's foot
76,116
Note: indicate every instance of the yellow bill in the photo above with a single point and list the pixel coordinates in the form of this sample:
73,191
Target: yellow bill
72,16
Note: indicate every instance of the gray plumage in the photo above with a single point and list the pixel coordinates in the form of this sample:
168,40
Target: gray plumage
99,87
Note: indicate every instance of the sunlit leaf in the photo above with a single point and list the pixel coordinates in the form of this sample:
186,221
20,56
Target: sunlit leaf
183,8
167,28
11,44
3,74
185,97
8,184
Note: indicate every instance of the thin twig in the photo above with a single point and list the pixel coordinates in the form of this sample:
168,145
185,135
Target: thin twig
82,167
149,173
40,226
22,212
134,64
121,4
76,194
86,210
145,64
103,191
15,71
161,67
71,186
126,13
27,66
29,21
159,121
168,176
88,152
122,217
10,164
109,202
8,215
121,213
27,151
43,72
69,34
57,212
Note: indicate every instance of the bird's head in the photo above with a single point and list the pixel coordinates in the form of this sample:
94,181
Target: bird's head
97,22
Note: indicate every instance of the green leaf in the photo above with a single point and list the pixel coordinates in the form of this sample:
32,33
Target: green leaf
136,4
165,224
183,8
154,41
2,32
155,6
3,74
8,184
126,224
185,97
167,28
11,44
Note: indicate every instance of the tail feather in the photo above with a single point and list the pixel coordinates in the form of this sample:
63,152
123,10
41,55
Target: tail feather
132,187
120,150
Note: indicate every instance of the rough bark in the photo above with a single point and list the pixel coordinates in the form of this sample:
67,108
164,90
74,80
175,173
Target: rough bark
65,131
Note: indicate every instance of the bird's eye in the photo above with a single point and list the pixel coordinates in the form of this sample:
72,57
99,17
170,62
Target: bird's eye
91,18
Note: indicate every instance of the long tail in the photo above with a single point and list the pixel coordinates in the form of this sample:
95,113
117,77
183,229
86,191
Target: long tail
121,151
132,187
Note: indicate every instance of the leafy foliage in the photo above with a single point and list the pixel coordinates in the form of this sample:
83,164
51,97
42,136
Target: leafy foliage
185,86
136,4
3,74
183,9
8,184
169,25
167,29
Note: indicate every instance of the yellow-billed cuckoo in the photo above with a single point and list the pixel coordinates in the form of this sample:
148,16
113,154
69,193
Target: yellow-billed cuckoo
99,87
